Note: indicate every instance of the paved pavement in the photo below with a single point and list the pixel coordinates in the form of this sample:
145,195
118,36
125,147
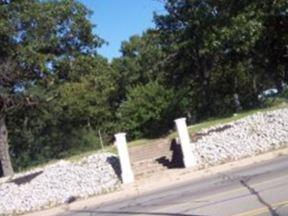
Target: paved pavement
260,189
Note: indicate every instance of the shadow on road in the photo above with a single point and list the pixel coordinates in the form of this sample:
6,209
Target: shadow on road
94,213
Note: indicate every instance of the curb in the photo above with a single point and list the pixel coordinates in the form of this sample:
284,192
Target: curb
161,180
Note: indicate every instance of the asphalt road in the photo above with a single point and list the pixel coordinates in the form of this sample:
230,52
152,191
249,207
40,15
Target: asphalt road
260,189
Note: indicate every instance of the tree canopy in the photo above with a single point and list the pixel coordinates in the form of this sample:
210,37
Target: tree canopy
203,59
34,37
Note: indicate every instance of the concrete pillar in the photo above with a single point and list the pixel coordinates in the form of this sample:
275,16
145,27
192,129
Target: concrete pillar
126,169
188,156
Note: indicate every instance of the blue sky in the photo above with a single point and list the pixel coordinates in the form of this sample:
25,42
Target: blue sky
117,20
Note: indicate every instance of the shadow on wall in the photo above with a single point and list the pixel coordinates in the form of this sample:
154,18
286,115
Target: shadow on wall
26,179
176,160
115,163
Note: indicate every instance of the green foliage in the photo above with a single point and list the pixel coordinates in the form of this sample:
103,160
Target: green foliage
36,35
49,107
204,59
216,50
145,112
70,122
140,62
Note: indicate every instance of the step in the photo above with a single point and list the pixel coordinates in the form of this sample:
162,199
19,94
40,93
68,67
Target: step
147,166
152,155
149,170
159,144
151,161
150,151
144,169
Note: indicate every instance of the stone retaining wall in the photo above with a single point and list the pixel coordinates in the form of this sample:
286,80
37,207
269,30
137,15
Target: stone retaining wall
246,137
64,182
59,183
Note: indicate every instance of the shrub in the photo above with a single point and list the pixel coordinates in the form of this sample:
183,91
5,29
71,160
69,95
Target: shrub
146,110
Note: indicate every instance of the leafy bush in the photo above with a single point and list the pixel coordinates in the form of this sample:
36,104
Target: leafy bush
146,110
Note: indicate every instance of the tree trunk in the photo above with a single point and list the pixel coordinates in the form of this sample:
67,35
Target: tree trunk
279,85
237,102
205,82
5,160
286,74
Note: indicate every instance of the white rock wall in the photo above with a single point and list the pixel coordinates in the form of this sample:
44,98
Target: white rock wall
246,137
59,183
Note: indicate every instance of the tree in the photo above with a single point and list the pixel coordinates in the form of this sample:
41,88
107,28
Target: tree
272,46
205,38
34,36
70,123
86,96
146,110
139,64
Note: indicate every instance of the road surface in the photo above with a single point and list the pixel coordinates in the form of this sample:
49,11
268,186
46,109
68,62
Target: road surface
260,189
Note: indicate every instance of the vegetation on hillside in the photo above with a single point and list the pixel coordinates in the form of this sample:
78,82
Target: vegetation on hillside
204,59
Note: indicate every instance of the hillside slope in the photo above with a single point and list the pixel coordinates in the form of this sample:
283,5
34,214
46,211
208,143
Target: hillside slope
246,137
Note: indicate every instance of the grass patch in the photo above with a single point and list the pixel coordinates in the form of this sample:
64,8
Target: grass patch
111,148
219,121
192,129
272,104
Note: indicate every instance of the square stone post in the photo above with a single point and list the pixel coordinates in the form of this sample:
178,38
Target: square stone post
188,156
126,169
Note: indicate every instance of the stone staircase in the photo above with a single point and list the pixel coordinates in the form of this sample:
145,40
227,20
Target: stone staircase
146,167
151,157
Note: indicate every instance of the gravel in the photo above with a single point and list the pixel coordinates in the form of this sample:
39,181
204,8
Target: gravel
246,137
59,183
